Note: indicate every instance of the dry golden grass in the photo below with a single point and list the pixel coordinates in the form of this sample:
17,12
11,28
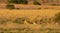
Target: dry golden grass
33,13
24,13
18,13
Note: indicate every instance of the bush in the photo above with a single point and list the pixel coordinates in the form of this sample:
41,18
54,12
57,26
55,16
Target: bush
22,2
12,1
36,3
10,6
18,1
57,18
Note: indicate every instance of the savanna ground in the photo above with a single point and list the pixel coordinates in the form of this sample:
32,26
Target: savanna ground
9,23
11,27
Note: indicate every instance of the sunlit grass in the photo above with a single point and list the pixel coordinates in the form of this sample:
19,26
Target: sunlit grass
11,15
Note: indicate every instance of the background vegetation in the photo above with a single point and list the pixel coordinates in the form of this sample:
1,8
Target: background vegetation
18,1
10,6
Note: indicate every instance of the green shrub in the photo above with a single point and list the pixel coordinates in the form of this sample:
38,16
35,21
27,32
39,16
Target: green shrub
10,6
12,1
22,2
36,3
18,1
57,18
